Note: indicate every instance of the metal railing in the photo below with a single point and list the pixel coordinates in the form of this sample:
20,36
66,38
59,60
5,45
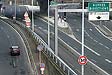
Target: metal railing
50,52
57,59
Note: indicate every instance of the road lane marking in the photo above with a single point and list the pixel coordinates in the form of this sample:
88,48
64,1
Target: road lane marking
87,33
78,71
8,36
40,27
93,60
101,44
28,59
71,64
102,34
76,48
94,52
104,45
86,47
90,29
95,40
77,30
108,60
108,29
2,28
91,37
111,49
107,47
45,30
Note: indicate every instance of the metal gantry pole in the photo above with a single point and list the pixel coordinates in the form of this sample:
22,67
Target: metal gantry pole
56,31
15,10
32,18
83,34
48,27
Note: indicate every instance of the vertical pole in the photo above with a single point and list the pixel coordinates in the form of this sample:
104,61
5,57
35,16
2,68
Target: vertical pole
48,27
56,31
15,10
83,34
22,2
32,18
40,57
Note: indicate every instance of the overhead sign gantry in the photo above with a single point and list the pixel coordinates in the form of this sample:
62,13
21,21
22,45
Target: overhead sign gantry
98,10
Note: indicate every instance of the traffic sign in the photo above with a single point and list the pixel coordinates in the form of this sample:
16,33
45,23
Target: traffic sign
53,3
26,15
28,22
99,6
98,16
82,60
42,65
42,68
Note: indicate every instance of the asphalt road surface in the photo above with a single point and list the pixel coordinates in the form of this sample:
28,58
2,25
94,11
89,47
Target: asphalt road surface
101,46
66,54
8,38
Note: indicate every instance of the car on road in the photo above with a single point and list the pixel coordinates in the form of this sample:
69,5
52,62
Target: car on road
14,51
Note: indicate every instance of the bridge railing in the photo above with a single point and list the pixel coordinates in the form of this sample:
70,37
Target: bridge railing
58,60
50,52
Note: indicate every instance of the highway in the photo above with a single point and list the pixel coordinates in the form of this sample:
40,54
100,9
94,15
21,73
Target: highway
66,54
8,38
100,45
98,51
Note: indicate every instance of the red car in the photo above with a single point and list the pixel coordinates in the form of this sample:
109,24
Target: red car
14,51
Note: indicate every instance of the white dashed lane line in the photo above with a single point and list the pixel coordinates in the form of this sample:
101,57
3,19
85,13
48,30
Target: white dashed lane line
93,60
101,44
111,50
108,61
96,40
8,36
2,28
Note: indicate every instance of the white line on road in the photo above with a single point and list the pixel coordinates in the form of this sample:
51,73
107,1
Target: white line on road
108,60
86,47
90,36
108,29
40,27
2,28
90,29
111,49
107,47
8,36
93,60
101,44
101,33
76,48
29,62
45,30
95,40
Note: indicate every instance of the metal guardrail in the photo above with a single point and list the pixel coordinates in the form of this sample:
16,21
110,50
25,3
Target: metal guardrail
50,52
59,61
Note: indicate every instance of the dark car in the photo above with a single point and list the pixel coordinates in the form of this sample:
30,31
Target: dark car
14,51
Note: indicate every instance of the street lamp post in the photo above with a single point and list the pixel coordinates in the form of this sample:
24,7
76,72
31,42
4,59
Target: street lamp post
32,18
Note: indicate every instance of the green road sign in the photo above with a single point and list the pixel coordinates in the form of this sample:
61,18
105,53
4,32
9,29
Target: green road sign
53,3
99,6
